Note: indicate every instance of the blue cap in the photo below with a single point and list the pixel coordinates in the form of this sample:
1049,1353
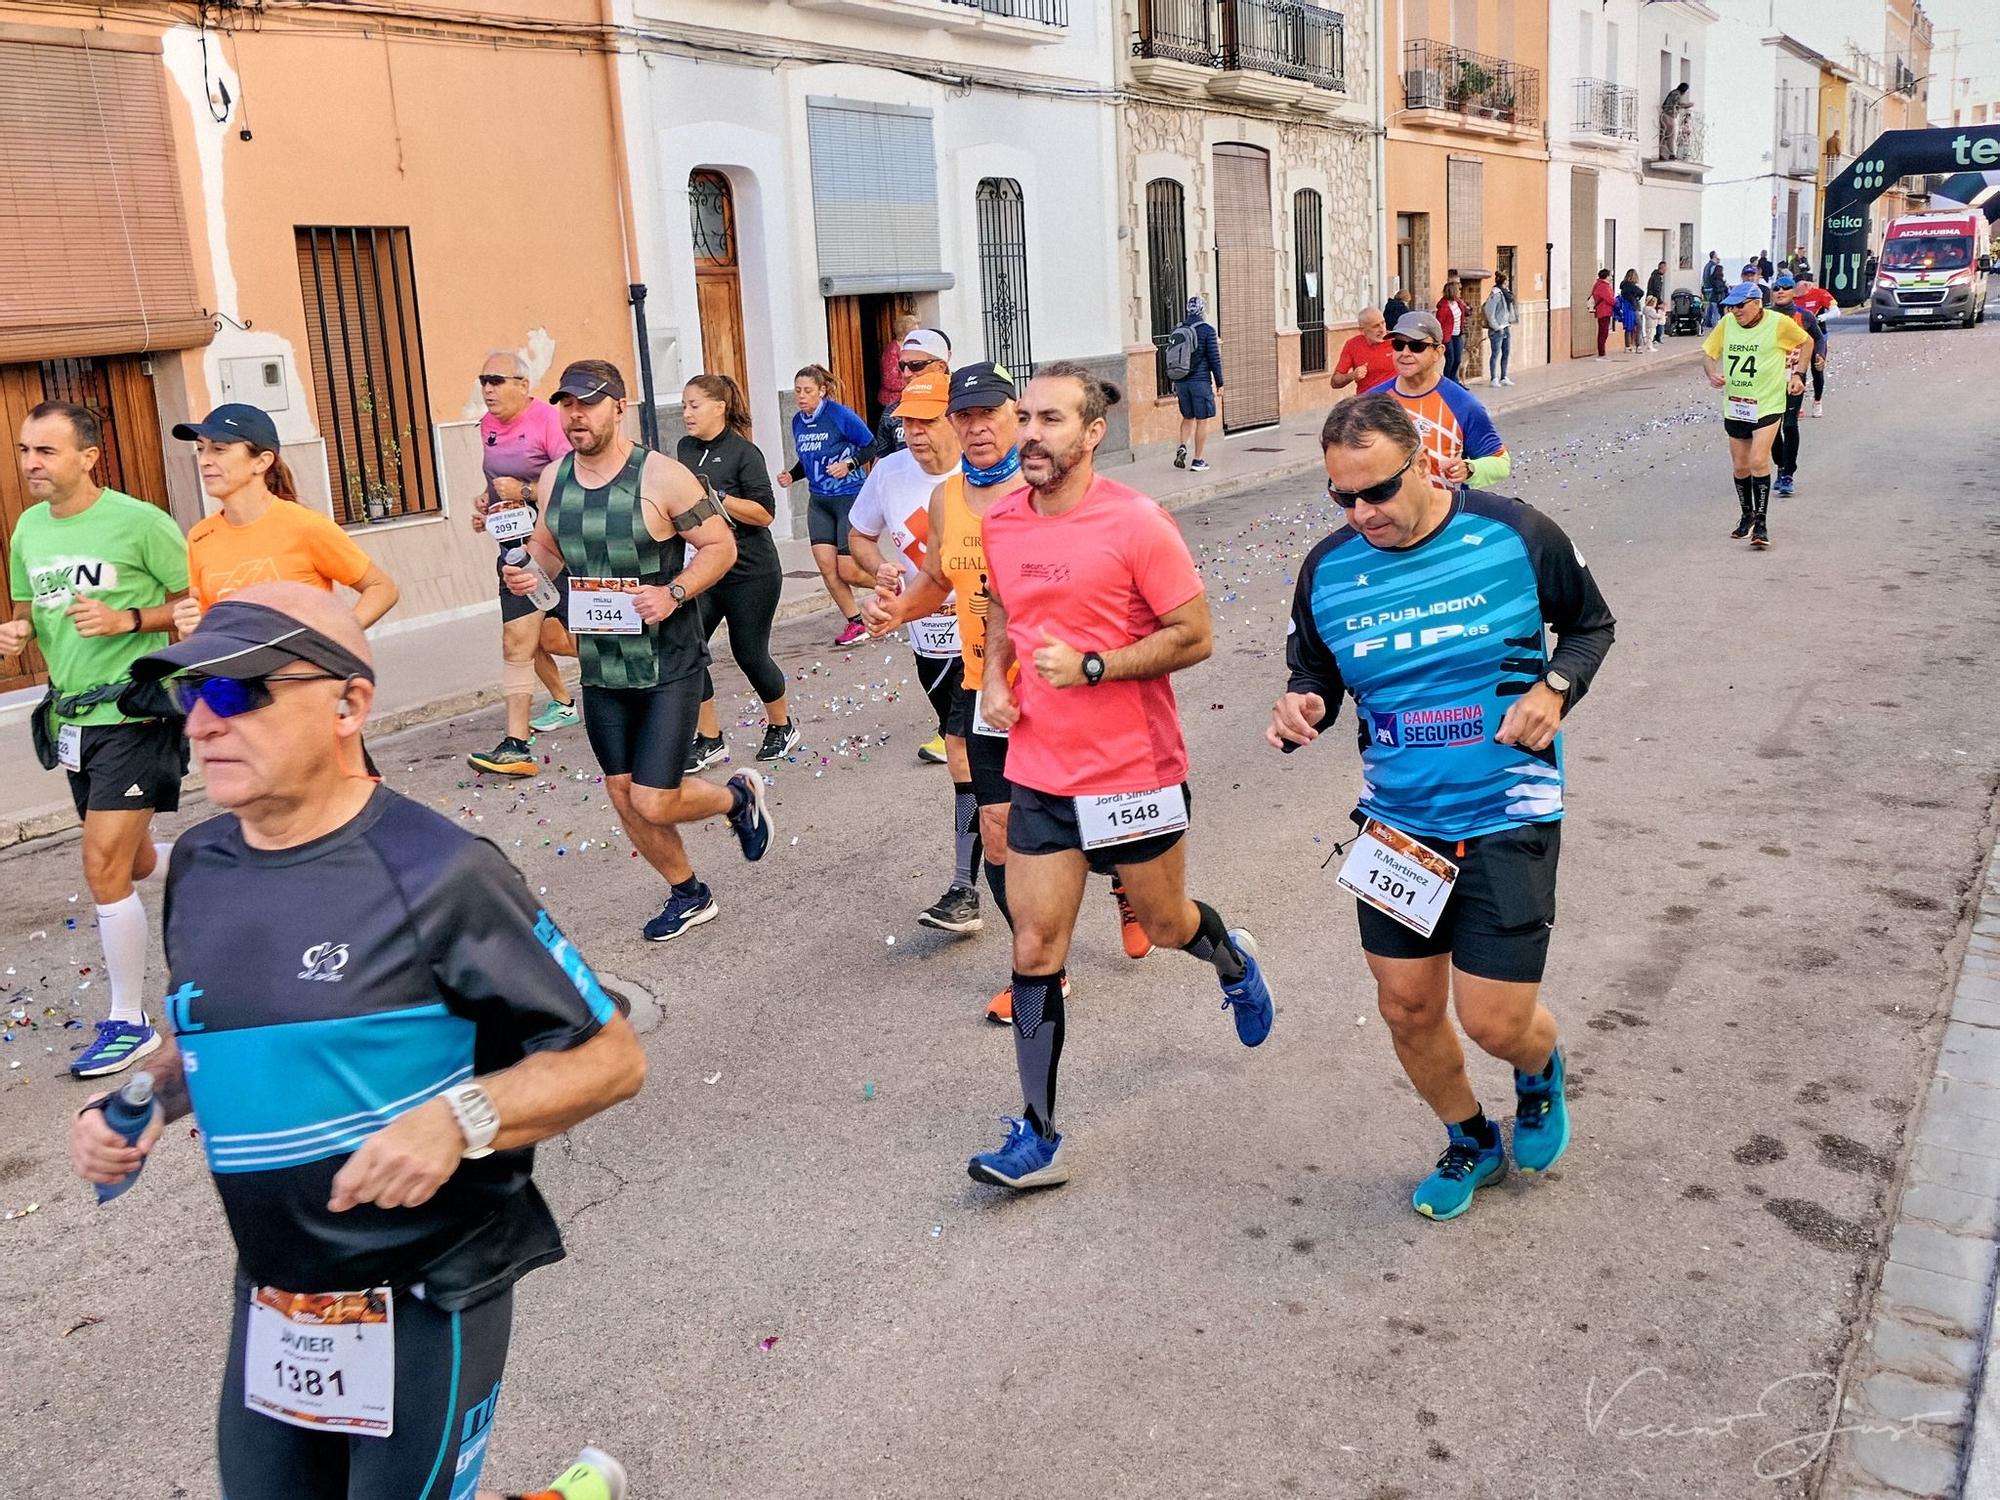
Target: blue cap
1742,292
1784,281
234,423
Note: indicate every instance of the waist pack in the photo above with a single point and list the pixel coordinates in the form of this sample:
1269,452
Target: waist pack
136,700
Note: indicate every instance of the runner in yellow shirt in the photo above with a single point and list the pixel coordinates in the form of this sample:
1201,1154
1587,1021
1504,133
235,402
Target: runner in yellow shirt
1754,361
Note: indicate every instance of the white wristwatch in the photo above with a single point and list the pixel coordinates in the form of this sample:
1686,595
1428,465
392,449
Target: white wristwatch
478,1120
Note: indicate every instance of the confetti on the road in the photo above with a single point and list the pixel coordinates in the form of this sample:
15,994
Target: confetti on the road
768,1344
88,1320
713,1078
867,1091
32,1208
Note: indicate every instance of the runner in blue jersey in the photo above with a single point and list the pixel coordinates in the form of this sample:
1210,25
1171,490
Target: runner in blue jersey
1428,607
374,1024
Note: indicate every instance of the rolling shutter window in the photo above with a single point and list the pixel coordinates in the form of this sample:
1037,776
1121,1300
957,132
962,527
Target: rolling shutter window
94,255
875,213
1465,212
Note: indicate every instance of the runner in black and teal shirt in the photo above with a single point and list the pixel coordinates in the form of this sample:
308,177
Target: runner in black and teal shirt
1428,607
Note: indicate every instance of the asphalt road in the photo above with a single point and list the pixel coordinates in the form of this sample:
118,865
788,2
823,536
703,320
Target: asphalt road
1780,790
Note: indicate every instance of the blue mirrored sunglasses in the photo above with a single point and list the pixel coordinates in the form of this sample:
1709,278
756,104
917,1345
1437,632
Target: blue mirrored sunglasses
226,697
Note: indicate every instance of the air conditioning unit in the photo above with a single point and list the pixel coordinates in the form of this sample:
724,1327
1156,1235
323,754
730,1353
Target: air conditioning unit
1423,88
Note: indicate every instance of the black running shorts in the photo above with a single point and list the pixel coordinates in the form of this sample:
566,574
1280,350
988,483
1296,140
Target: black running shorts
1041,823
448,1369
1496,924
941,677
1741,430
134,767
986,752
644,733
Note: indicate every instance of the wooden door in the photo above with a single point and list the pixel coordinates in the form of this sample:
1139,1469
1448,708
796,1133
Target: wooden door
1583,262
845,354
718,280
1246,264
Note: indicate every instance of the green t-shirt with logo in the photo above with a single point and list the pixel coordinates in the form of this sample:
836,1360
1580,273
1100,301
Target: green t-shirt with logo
1755,371
122,552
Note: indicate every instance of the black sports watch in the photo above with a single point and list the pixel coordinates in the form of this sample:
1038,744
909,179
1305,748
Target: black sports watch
680,594
1093,668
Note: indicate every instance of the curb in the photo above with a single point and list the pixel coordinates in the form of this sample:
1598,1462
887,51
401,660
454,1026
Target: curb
59,818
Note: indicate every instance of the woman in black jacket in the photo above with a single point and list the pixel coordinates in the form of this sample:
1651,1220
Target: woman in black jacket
718,448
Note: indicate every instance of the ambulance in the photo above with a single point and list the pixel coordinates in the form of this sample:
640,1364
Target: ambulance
1932,270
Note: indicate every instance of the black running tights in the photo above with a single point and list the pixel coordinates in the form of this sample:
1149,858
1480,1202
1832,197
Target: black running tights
749,605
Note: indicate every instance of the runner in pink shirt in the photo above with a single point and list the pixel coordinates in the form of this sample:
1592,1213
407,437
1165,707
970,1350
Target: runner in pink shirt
1095,600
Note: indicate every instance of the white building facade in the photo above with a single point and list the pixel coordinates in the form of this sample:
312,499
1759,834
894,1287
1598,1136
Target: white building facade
807,172
1675,106
1761,191
1595,115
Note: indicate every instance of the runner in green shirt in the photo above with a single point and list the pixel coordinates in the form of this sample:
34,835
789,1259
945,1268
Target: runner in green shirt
93,576
1753,361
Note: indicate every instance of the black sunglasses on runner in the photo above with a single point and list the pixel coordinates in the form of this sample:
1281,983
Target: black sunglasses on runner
1405,346
497,379
1375,494
227,697
913,367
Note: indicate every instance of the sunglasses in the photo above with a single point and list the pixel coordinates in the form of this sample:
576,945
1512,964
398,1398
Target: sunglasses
1411,346
913,367
497,379
227,697
1375,494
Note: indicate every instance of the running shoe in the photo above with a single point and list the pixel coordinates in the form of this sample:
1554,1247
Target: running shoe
1541,1118
931,751
1180,456
853,635
1000,1009
682,912
1198,466
119,1044
556,716
957,910
1137,944
1742,528
1818,409
1025,1160
511,757
1465,1167
704,752
753,824
780,740
1250,996
1760,540
1782,485
595,1475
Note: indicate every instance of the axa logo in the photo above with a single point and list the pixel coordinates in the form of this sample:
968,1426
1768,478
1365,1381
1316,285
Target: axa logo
324,961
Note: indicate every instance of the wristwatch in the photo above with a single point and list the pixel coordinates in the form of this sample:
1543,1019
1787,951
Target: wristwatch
478,1120
1557,681
1093,668
680,594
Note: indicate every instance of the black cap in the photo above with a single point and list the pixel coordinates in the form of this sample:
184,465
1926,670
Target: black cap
983,385
234,423
239,639
590,381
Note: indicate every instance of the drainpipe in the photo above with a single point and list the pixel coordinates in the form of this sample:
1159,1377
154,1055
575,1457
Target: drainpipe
635,290
1549,317
1377,20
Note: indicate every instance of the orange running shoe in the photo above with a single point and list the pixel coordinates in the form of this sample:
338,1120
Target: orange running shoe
1137,944
1000,1010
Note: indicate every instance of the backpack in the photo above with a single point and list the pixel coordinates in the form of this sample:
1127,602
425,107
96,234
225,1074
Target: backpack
1180,352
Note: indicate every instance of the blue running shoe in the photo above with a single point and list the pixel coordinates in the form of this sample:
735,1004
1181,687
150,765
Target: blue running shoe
682,912
1249,997
753,825
1464,1168
119,1044
1783,485
1541,1118
1025,1160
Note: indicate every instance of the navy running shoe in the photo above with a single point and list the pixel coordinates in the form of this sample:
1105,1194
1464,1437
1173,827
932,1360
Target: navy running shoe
1541,1118
117,1045
1465,1167
682,912
1025,1159
1250,996
753,824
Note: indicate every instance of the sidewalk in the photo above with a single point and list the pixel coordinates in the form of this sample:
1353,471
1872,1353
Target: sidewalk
424,670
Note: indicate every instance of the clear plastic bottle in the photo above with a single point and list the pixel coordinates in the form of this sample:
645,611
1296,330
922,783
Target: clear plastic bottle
544,595
128,1112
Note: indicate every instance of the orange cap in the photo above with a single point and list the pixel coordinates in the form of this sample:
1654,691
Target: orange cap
925,395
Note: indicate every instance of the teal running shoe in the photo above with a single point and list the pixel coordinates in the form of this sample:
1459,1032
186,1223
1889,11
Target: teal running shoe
556,716
1541,1118
1465,1167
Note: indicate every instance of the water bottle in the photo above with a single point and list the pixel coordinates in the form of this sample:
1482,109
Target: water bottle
128,1112
544,595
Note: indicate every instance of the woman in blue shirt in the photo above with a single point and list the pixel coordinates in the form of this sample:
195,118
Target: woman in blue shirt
829,440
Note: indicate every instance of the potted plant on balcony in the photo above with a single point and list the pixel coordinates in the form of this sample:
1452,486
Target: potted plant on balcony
1471,80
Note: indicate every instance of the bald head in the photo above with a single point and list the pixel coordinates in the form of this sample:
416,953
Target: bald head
314,608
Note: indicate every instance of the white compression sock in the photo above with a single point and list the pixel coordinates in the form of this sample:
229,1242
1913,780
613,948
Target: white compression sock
121,927
161,854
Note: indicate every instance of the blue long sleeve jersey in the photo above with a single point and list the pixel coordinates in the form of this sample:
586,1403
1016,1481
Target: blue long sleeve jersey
1435,641
831,433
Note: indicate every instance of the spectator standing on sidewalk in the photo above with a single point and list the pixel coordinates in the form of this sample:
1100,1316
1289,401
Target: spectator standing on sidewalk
1451,318
1194,365
1714,287
1652,323
1656,288
1501,313
1603,307
1367,359
1395,309
1630,296
830,440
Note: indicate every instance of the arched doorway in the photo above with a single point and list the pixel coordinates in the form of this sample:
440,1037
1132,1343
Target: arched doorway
718,281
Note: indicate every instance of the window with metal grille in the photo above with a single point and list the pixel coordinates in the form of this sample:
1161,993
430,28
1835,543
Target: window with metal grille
1003,273
1465,212
1166,268
367,354
1308,239
1687,247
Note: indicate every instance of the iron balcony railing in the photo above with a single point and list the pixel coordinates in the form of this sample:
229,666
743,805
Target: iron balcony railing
1835,165
1798,155
1606,108
1285,38
1683,134
1048,12
1439,76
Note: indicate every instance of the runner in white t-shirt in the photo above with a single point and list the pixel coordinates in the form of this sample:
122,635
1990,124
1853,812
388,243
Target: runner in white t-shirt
888,530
